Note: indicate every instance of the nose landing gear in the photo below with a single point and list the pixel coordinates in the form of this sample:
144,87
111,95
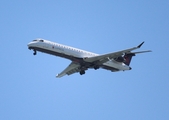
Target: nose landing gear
34,52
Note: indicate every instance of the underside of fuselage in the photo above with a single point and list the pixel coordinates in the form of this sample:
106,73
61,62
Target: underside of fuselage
72,58
84,65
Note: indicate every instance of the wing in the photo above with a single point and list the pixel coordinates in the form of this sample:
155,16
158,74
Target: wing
107,57
71,69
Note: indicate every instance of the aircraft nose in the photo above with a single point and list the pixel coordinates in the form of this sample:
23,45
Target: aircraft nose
31,44
28,44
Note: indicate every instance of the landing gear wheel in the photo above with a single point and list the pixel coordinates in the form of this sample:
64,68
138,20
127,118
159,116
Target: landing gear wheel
34,52
82,72
96,67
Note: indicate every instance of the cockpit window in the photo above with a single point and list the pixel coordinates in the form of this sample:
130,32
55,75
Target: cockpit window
39,40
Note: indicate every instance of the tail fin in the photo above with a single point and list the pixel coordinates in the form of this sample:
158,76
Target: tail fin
128,58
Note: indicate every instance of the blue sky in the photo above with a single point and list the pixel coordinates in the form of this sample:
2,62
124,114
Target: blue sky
28,87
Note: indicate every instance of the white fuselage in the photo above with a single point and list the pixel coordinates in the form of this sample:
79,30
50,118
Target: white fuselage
71,53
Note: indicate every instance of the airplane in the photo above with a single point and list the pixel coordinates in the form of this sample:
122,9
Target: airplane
82,60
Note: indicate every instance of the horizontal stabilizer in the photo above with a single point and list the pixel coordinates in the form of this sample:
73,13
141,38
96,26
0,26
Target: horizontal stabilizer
141,52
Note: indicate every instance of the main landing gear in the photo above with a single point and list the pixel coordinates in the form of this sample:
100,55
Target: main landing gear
82,72
96,67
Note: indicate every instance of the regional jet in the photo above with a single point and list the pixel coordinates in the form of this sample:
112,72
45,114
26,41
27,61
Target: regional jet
82,60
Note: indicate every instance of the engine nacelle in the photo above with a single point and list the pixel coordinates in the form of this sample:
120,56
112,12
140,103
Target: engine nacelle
120,59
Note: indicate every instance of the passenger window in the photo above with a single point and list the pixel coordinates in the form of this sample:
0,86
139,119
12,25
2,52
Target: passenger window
41,40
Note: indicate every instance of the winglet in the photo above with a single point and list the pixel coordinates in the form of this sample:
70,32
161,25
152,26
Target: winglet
140,45
57,75
60,75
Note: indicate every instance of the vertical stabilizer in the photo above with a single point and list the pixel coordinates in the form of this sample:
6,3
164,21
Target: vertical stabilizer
128,58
